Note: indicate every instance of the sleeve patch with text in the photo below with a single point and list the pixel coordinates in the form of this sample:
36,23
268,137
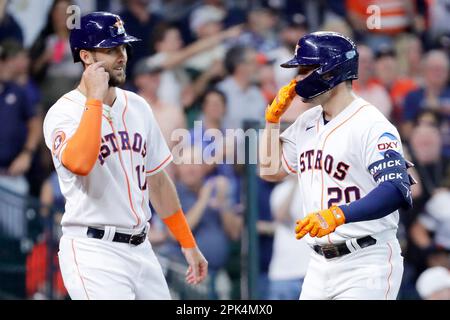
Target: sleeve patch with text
387,141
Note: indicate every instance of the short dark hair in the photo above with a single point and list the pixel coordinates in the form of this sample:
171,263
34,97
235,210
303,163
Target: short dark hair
216,91
234,57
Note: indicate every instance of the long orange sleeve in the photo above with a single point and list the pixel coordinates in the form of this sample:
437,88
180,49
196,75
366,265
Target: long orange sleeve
82,149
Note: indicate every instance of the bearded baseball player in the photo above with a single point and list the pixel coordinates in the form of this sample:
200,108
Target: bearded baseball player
352,175
110,156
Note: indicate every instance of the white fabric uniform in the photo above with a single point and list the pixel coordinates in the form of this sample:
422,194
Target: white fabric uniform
113,197
331,162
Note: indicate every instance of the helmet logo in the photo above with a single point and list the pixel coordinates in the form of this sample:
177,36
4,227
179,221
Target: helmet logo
119,26
350,54
297,48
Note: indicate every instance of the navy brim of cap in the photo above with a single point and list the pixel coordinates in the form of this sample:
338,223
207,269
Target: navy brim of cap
293,63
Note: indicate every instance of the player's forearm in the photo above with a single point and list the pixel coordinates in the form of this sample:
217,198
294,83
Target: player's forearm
81,152
270,153
163,194
164,198
378,203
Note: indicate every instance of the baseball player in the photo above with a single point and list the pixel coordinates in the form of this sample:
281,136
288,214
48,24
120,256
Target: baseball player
110,156
351,173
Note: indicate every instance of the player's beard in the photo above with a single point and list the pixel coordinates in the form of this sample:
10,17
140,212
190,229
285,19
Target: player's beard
115,80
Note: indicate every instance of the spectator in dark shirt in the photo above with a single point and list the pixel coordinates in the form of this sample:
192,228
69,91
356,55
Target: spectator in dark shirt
20,134
17,67
433,95
9,28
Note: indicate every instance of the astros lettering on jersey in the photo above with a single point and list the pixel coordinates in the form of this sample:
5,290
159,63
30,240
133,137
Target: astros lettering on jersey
117,190
332,161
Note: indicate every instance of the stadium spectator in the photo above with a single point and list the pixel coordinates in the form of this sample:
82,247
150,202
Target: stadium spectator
17,64
434,94
176,87
147,79
140,21
434,284
366,87
244,99
209,212
431,231
20,136
206,21
387,73
53,66
261,31
410,56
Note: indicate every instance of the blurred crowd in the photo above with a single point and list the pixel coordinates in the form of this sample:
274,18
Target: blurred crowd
217,61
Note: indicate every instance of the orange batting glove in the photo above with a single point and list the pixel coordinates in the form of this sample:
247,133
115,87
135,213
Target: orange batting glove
281,102
321,223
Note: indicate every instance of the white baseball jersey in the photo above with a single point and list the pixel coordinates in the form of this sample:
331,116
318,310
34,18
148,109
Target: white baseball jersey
332,160
132,147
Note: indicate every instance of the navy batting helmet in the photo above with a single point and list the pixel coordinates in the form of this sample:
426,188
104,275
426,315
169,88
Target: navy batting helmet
334,55
98,30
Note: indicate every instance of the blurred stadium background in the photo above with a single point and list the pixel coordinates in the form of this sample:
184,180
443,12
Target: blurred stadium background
217,61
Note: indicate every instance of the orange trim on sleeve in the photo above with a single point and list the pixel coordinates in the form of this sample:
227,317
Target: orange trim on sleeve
162,163
180,229
287,164
82,149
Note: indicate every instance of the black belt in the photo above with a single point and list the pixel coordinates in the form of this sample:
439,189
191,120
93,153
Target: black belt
135,239
336,250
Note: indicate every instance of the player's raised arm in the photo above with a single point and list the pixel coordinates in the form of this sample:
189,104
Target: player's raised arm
81,152
164,198
270,146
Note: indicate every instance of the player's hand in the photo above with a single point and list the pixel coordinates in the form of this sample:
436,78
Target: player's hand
281,102
321,223
198,266
20,165
96,80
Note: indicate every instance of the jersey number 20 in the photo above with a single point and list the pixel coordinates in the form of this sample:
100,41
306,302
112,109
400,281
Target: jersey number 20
337,193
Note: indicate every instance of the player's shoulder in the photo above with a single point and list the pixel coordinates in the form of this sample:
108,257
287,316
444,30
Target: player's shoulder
72,98
371,121
368,114
70,103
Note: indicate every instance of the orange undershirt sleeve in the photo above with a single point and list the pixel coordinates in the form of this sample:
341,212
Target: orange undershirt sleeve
82,149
